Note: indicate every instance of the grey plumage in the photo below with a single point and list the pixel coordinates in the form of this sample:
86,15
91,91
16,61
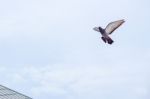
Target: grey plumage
110,28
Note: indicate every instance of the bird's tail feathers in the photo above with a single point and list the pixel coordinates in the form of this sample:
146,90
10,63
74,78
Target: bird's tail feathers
109,40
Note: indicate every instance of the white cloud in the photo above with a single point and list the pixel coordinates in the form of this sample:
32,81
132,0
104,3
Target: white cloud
78,81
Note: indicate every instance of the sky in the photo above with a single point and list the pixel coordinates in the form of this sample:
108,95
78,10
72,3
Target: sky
48,49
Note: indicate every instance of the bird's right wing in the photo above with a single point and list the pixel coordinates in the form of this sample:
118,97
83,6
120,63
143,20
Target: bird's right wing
113,26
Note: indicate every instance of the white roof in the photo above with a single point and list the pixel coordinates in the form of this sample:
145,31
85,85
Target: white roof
6,93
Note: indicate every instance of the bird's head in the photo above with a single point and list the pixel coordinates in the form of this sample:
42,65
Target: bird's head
101,29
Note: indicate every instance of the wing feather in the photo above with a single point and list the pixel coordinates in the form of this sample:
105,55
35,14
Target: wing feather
96,29
113,26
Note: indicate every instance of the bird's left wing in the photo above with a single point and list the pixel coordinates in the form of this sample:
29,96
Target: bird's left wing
113,26
96,29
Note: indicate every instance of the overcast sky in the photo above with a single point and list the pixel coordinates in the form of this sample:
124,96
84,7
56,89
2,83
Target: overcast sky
48,49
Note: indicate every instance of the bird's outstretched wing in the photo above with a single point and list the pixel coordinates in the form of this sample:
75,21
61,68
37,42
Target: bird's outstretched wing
113,26
96,29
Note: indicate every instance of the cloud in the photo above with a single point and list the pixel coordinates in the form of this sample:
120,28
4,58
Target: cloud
79,81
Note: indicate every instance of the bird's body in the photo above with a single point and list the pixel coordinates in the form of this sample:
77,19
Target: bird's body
108,30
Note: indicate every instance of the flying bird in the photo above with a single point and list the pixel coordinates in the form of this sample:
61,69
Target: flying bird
110,28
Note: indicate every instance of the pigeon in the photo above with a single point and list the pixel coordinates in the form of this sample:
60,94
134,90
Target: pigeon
110,28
